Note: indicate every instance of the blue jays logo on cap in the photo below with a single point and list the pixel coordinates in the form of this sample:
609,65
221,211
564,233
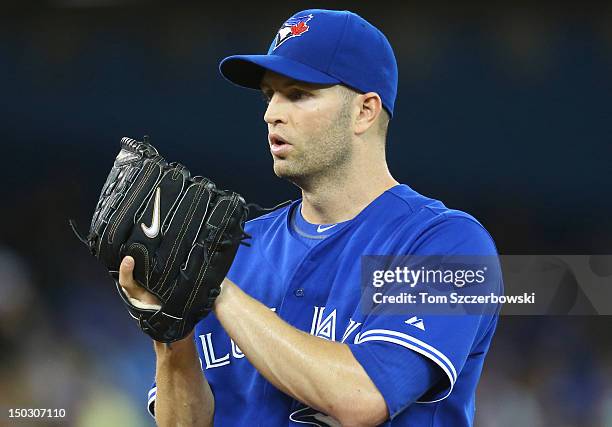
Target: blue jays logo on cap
341,48
293,27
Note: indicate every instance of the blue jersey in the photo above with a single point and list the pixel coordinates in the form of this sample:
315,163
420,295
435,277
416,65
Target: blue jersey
310,276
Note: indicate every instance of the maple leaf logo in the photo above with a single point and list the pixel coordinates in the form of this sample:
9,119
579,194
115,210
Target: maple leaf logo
293,27
299,28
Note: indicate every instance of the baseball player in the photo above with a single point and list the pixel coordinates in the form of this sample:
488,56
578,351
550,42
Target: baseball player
289,343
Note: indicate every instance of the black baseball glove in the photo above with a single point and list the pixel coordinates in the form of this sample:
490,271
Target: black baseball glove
182,232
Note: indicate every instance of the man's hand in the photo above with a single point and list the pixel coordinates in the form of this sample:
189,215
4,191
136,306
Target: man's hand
177,233
137,294
183,396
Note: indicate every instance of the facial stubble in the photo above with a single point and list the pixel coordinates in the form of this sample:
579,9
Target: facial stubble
324,157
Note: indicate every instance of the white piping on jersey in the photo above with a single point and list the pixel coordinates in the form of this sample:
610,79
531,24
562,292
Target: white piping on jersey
417,345
151,402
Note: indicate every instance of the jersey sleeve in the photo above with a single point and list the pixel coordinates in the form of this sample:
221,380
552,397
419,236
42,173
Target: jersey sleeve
151,400
387,344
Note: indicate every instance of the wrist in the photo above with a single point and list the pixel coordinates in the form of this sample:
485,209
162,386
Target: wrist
183,349
224,290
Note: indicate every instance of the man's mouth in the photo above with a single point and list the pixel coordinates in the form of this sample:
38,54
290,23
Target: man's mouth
278,145
276,140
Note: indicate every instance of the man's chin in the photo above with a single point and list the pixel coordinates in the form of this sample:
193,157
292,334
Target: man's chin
282,172
285,171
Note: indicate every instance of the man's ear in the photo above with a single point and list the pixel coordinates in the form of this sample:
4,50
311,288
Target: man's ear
370,107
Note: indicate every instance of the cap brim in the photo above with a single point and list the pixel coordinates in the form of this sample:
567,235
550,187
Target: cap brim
248,70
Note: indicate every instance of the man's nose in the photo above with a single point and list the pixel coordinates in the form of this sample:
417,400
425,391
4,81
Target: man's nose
275,113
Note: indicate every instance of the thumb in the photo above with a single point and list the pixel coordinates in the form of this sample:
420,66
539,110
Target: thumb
131,287
126,273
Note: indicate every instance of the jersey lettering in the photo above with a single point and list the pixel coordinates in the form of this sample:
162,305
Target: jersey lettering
323,327
236,352
209,353
352,327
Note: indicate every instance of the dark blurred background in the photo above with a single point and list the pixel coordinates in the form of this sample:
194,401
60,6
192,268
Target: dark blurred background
504,110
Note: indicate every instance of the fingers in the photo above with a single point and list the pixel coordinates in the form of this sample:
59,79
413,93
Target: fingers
126,273
131,287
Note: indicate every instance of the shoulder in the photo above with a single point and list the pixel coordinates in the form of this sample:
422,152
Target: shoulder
439,228
406,201
455,231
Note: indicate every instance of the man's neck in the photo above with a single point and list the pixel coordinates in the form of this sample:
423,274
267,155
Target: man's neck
341,198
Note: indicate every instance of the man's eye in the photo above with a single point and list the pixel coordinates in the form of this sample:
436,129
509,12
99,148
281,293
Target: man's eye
296,95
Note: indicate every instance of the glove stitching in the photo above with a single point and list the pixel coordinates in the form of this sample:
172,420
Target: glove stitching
172,255
174,209
177,198
169,291
145,253
193,291
180,237
128,205
205,266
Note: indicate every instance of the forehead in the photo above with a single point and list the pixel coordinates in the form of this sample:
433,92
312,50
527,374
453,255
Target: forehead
272,80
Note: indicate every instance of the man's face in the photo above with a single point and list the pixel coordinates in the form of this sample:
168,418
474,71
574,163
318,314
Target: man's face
309,128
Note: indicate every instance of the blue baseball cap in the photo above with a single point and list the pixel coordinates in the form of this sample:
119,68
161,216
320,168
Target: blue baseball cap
324,47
